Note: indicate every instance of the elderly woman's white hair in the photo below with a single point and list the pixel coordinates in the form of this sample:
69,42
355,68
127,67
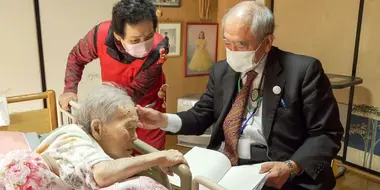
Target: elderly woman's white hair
256,15
101,103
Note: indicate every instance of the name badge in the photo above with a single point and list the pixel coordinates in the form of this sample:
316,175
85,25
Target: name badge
244,148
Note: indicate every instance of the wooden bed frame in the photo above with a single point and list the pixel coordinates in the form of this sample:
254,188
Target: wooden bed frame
40,121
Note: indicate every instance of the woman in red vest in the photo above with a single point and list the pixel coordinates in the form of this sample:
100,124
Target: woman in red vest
131,55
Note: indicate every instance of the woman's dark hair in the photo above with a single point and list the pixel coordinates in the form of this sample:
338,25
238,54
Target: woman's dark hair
203,34
132,12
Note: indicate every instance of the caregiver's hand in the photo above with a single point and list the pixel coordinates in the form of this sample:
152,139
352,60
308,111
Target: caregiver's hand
65,98
150,118
170,158
162,94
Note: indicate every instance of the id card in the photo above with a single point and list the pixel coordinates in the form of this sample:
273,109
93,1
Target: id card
244,148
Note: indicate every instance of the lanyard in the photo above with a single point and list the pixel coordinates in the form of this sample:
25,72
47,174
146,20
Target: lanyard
251,115
261,82
254,109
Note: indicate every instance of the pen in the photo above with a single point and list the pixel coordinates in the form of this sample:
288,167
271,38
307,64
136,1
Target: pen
284,104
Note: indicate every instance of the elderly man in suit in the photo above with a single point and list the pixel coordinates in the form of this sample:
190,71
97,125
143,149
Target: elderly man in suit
267,105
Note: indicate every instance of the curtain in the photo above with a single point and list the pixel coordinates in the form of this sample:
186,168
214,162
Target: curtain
204,9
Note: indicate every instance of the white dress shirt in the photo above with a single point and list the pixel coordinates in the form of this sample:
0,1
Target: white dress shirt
253,132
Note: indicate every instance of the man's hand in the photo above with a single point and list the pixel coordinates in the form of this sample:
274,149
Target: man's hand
279,173
150,118
65,98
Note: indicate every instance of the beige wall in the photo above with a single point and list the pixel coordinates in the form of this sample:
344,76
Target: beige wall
323,29
63,23
19,65
326,30
369,57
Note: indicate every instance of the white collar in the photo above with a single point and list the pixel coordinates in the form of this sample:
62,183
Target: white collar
259,68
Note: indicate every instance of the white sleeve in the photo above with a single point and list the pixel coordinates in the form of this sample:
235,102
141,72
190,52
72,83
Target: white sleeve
174,123
75,153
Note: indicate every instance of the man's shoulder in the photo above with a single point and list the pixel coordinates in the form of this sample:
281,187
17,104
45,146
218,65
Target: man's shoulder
220,69
295,60
221,66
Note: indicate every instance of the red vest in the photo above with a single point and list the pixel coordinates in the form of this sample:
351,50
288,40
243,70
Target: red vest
123,74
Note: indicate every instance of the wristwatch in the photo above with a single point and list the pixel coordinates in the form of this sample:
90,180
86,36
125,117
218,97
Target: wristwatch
293,172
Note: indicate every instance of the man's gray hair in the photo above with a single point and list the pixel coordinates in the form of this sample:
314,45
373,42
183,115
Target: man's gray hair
101,103
257,16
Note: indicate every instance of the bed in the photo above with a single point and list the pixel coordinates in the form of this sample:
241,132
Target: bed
45,120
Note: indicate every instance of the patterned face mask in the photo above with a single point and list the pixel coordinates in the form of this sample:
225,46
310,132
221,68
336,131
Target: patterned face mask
139,50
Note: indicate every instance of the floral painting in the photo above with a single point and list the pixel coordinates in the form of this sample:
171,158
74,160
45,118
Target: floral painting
364,140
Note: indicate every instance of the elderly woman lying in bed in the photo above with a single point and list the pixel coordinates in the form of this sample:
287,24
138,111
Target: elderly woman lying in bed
94,154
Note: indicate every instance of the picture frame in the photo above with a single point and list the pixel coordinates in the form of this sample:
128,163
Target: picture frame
201,48
167,3
171,31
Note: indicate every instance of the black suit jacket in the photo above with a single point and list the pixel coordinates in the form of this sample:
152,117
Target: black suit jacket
308,132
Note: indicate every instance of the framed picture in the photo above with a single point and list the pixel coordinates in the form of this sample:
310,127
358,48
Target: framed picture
172,35
167,3
201,48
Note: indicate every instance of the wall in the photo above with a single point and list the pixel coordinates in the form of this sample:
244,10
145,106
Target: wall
369,59
365,142
326,30
174,67
321,32
19,65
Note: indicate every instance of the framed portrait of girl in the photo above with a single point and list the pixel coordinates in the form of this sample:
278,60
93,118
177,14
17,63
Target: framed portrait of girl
201,48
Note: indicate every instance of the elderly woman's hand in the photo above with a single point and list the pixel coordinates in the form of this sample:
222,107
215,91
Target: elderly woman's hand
170,158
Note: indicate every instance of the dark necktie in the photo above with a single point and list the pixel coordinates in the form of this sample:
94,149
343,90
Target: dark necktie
234,118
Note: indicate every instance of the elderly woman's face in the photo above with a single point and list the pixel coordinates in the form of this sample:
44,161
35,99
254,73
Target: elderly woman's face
116,137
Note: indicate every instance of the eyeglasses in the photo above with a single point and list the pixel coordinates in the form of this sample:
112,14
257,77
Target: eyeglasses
240,45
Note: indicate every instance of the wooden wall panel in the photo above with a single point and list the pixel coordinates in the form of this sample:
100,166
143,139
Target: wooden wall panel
174,67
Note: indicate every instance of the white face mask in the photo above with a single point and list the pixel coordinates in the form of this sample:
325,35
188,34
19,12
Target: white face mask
242,61
139,50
